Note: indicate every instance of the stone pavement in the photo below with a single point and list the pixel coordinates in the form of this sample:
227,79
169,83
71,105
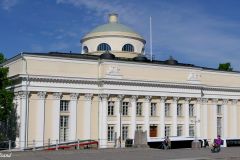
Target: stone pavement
232,153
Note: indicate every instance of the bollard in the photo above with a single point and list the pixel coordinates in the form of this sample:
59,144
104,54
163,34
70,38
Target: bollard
78,145
34,145
56,145
9,145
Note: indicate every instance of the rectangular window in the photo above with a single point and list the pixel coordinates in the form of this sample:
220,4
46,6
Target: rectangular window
167,109
110,133
110,108
219,125
139,109
179,110
125,108
191,130
64,105
153,109
179,130
64,128
139,127
191,110
167,130
124,132
219,109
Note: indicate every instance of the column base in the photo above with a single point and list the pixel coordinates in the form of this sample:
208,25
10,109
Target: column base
196,144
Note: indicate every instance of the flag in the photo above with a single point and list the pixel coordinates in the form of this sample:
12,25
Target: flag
202,94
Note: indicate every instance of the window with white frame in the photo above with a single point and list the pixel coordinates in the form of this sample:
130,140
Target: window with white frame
139,109
167,109
103,47
124,132
125,108
64,127
219,109
110,133
64,105
167,130
139,127
191,130
153,109
110,108
191,110
179,130
179,110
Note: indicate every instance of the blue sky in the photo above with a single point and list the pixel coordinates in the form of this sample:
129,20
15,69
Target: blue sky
200,32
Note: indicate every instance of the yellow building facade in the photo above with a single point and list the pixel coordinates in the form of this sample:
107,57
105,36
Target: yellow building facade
111,90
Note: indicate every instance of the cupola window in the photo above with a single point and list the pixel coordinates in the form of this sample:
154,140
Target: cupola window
103,47
85,49
128,48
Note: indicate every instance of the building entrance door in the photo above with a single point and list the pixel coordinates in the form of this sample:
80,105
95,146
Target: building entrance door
153,131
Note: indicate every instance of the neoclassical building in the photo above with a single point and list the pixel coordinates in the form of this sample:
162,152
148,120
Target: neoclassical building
110,90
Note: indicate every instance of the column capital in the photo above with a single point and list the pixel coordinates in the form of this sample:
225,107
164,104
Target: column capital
89,96
215,100
120,97
204,100
175,99
134,98
234,101
199,100
41,95
187,100
163,99
148,98
225,101
103,96
23,94
57,95
74,96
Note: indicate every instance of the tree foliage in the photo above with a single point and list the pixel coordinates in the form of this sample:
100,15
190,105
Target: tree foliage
225,67
7,111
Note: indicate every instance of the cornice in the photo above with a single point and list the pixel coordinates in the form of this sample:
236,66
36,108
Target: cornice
125,82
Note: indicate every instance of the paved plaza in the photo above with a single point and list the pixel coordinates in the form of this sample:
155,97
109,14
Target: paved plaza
129,154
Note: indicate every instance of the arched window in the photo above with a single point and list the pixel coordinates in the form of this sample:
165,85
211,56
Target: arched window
103,47
128,48
85,49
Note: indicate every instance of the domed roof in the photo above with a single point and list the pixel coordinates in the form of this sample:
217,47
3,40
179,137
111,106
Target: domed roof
113,28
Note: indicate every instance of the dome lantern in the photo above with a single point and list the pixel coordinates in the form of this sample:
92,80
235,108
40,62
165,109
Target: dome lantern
113,18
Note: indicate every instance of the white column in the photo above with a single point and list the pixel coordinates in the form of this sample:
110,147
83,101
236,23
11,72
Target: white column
198,116
73,116
103,121
117,113
133,117
204,124
87,116
18,114
40,119
56,116
214,117
174,116
225,118
162,117
186,117
234,119
23,119
146,114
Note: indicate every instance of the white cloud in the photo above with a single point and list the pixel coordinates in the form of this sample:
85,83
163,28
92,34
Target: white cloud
8,4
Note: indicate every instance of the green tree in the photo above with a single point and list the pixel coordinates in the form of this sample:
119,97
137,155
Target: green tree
225,67
7,112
